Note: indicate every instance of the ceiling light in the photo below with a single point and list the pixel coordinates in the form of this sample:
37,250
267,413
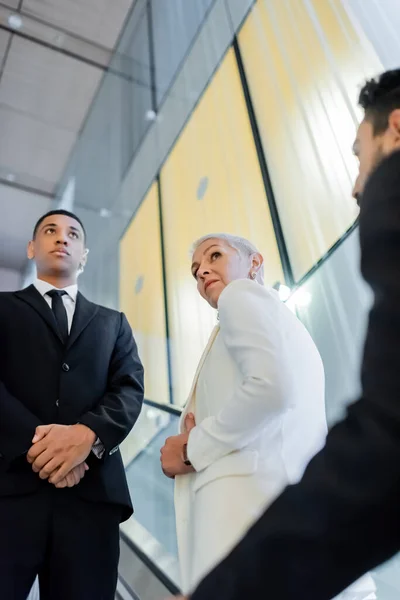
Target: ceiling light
301,298
105,213
59,39
284,292
10,177
151,115
15,21
151,414
202,188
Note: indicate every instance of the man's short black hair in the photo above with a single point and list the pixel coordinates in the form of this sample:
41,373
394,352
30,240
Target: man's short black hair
379,97
59,211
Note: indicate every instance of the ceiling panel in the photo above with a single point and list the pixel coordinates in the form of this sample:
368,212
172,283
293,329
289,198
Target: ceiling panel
11,3
99,21
4,38
32,146
49,85
19,212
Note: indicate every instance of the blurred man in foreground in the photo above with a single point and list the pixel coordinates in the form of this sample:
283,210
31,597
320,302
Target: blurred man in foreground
343,518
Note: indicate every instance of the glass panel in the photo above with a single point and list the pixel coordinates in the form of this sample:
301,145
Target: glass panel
96,164
175,24
152,527
304,63
333,304
210,182
381,22
133,60
142,294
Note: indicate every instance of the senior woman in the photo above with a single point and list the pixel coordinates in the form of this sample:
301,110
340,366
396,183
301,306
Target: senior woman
255,414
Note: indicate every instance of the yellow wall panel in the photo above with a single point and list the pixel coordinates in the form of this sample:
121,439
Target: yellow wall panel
211,182
142,294
305,62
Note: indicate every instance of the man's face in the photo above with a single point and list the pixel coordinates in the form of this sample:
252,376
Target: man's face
371,149
58,247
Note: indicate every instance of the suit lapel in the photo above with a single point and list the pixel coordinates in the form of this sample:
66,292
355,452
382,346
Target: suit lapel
192,395
84,313
31,296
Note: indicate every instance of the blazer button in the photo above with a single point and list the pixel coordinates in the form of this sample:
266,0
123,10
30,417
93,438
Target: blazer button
57,403
65,367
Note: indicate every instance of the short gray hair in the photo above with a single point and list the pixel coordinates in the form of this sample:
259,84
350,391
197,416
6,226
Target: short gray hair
242,245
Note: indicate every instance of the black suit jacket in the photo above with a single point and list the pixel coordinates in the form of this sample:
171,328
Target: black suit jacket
95,379
343,518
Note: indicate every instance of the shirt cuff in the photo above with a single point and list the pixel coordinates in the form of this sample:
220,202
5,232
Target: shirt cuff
98,449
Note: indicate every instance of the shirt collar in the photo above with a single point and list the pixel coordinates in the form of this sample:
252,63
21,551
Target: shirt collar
43,287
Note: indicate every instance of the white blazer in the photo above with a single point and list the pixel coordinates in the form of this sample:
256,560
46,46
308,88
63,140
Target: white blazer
258,399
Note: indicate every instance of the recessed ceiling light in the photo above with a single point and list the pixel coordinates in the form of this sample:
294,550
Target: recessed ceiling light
139,284
202,188
10,177
284,292
152,414
59,39
15,21
151,115
105,213
301,298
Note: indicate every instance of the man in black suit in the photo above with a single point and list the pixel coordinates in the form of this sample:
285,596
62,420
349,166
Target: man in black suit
71,388
343,518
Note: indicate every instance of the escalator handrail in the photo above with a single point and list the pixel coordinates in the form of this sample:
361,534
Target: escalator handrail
169,408
157,572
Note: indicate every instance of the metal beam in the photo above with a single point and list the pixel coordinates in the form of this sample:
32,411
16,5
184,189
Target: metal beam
26,188
54,38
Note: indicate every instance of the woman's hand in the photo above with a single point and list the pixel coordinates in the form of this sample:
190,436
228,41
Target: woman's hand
190,422
172,452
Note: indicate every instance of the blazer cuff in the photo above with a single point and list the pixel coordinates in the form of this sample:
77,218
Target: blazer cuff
98,449
97,425
203,451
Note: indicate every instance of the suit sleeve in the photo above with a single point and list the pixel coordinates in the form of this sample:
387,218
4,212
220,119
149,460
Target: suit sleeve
118,410
251,328
343,518
17,426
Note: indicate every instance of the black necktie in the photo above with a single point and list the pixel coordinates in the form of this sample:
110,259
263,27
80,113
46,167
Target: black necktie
59,311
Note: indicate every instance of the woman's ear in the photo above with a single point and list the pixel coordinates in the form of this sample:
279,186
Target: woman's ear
256,261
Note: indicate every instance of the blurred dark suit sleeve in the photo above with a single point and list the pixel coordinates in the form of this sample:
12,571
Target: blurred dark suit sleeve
343,518
17,426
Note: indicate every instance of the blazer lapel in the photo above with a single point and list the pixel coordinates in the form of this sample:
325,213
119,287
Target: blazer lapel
192,395
31,296
84,313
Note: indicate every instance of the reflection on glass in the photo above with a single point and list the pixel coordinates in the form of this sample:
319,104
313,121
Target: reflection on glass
142,294
211,182
333,304
304,62
175,24
133,61
152,527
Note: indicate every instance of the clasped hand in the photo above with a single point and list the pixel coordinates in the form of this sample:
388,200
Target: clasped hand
59,452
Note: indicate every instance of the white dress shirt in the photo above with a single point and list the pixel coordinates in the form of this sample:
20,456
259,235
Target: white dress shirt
69,301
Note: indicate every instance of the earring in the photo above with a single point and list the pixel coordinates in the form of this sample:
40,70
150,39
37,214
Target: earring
252,275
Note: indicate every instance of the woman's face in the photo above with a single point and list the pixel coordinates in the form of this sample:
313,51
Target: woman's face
215,265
